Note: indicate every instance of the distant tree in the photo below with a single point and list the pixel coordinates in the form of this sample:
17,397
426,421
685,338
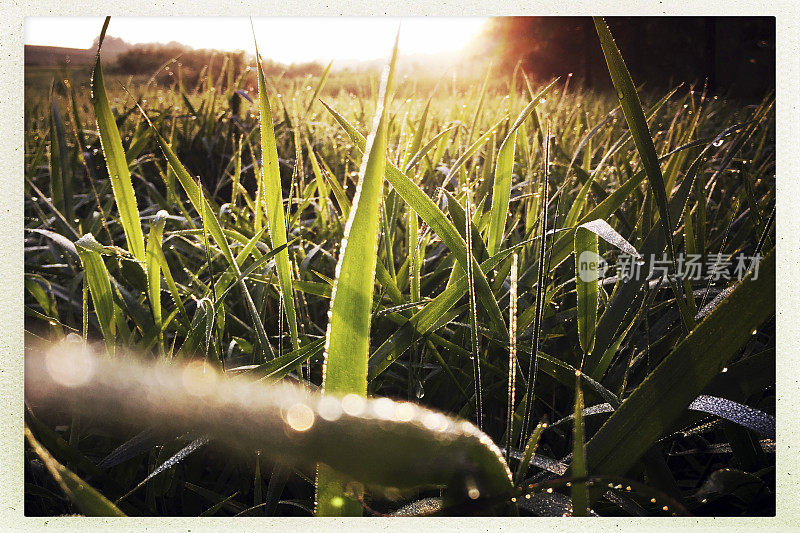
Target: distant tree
112,47
188,65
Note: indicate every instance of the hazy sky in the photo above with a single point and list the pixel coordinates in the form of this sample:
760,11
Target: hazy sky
283,39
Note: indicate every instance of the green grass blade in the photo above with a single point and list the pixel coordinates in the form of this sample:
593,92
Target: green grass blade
415,255
86,498
512,351
60,183
473,313
115,160
338,192
530,450
654,406
153,268
501,189
439,223
273,201
580,497
201,205
586,272
417,157
416,139
318,88
479,106
99,283
322,187
347,337
634,116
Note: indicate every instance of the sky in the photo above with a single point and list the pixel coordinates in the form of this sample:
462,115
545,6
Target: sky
284,39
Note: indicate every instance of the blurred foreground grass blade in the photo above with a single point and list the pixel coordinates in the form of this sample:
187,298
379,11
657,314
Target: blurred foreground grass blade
653,406
273,201
586,276
377,442
87,499
99,283
439,223
115,159
347,337
634,116
501,189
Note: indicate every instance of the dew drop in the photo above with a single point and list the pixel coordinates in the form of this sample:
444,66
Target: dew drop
420,391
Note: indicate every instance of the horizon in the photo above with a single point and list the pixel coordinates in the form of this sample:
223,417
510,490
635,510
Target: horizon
277,36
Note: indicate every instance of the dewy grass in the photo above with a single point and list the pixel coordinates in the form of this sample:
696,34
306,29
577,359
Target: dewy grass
347,337
115,159
488,293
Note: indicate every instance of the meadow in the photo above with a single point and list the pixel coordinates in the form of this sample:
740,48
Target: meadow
371,283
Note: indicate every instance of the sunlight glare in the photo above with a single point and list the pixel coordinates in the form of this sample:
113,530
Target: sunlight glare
283,39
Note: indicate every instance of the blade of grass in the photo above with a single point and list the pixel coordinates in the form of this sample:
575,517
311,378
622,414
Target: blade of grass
115,159
347,336
512,350
473,312
99,285
587,294
501,189
438,222
202,205
533,365
374,441
85,497
683,374
273,198
318,88
530,450
153,269
580,498
634,116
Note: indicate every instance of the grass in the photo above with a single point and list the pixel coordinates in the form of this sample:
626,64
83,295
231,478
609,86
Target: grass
450,284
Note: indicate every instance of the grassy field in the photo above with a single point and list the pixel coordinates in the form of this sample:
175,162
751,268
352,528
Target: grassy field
314,232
